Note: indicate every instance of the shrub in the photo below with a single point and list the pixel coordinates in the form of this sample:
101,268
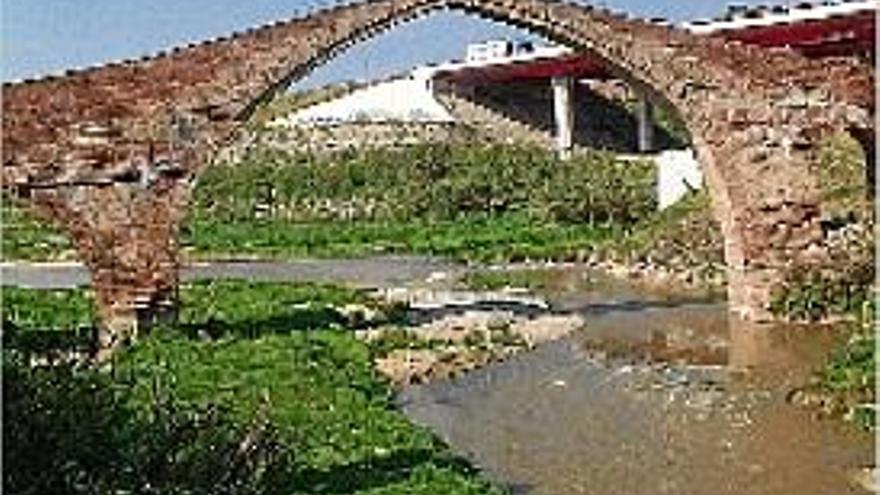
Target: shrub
842,285
70,429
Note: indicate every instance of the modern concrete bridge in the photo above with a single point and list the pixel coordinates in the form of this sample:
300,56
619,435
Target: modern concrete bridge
111,153
844,29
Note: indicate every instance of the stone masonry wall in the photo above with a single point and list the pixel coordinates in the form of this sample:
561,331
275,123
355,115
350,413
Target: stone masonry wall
111,152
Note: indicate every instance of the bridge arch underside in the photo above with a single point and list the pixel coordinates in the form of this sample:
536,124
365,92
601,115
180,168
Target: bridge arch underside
755,251
755,135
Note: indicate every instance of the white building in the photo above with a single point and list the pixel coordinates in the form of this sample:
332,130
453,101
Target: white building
410,99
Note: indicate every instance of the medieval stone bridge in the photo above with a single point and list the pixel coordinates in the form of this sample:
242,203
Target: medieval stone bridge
111,154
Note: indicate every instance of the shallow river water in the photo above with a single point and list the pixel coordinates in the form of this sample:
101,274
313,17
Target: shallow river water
653,397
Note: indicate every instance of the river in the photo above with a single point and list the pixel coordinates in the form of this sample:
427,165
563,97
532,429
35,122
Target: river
655,396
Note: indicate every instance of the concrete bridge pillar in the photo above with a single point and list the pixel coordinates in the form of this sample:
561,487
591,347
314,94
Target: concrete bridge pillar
645,116
563,109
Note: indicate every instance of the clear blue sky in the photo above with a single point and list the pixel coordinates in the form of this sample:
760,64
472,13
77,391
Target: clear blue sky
47,36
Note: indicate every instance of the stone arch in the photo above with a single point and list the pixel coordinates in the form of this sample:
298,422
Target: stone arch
754,117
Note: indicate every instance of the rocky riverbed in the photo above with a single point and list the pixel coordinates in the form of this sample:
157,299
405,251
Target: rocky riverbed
452,332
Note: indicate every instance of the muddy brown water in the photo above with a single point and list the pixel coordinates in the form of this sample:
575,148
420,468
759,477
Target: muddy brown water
658,395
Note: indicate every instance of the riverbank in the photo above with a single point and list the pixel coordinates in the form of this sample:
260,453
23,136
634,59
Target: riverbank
270,368
459,317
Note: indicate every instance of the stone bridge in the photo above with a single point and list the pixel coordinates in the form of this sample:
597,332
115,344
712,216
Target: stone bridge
111,154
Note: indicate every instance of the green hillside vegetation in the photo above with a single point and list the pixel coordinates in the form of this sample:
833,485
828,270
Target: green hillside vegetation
473,203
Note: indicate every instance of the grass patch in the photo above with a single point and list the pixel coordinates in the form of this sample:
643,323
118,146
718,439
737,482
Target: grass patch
814,294
209,309
845,385
251,309
324,398
48,322
48,309
27,237
174,411
685,231
500,238
684,238
480,203
850,379
426,182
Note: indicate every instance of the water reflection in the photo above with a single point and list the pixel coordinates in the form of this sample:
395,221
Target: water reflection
706,334
668,398
787,350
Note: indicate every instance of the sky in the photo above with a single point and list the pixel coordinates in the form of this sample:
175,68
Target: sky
41,37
